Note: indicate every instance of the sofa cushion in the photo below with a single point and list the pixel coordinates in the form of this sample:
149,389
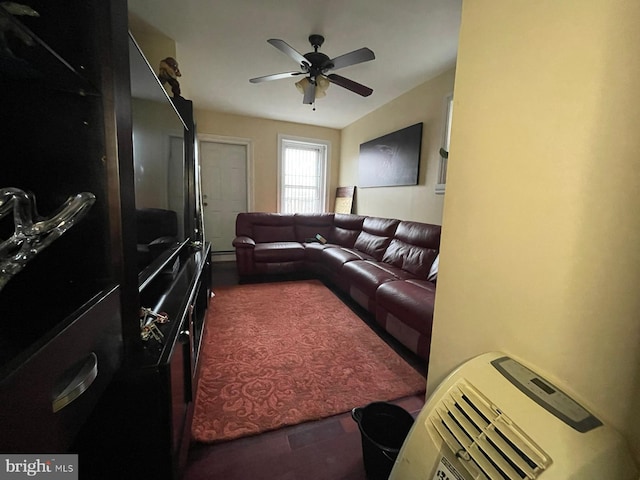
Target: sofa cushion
411,258
414,247
373,245
384,227
348,221
312,251
344,237
246,220
267,252
375,236
410,300
266,227
273,233
367,275
346,229
334,258
420,234
405,310
309,224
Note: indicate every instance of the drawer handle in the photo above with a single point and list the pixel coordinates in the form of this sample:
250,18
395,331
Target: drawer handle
184,336
78,384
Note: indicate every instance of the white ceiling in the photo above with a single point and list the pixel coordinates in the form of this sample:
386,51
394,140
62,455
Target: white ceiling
221,44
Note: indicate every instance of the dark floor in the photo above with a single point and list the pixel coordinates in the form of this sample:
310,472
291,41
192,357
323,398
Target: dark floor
328,449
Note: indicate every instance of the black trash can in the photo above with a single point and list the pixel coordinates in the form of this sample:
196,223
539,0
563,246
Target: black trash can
383,427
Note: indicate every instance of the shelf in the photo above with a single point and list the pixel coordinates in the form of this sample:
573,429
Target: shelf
26,58
159,265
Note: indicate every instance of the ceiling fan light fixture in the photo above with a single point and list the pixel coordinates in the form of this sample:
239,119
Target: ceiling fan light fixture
302,85
322,84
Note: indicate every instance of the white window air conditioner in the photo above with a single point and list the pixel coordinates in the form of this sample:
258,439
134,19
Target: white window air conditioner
495,418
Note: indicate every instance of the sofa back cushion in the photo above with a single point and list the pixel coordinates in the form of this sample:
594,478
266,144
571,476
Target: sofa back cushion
244,222
154,223
266,227
346,229
414,247
376,236
307,225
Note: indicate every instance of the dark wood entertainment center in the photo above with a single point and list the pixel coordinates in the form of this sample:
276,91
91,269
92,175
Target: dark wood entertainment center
76,374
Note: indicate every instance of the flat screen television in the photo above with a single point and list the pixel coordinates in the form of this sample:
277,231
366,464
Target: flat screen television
159,164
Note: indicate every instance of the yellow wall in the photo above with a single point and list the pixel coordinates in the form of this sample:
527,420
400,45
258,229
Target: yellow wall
541,230
263,135
422,104
156,46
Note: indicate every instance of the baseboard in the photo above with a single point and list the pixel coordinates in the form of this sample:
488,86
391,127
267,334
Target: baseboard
223,256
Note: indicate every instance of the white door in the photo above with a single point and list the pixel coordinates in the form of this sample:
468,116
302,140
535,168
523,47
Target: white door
224,191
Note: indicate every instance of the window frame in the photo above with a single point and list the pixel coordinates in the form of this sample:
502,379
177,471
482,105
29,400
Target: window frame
441,182
325,146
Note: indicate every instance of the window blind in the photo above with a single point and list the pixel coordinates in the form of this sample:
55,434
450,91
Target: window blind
302,177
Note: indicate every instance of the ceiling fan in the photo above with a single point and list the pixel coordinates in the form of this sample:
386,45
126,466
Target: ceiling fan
316,67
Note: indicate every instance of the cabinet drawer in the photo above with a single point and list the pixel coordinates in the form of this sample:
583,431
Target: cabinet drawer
47,399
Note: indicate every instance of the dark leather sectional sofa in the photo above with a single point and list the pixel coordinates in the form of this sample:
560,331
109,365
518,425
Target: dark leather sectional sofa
383,264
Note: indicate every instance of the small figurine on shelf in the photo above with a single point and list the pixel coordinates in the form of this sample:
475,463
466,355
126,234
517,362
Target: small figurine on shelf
169,72
149,321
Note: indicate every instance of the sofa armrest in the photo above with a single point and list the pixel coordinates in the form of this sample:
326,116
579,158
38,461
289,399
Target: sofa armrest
244,242
244,254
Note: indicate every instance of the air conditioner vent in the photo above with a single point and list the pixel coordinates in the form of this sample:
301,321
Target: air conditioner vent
485,440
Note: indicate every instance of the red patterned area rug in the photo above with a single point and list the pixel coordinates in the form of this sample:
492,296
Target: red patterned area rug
278,354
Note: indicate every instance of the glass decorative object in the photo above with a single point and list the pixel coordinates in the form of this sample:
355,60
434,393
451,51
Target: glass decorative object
33,233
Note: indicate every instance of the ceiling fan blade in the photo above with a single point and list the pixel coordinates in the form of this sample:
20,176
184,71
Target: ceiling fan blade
350,85
309,93
352,58
288,50
275,76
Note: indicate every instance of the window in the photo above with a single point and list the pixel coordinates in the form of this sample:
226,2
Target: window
446,138
302,183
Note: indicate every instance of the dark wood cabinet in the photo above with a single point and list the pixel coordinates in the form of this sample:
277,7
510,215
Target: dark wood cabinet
86,351
62,313
72,356
144,418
